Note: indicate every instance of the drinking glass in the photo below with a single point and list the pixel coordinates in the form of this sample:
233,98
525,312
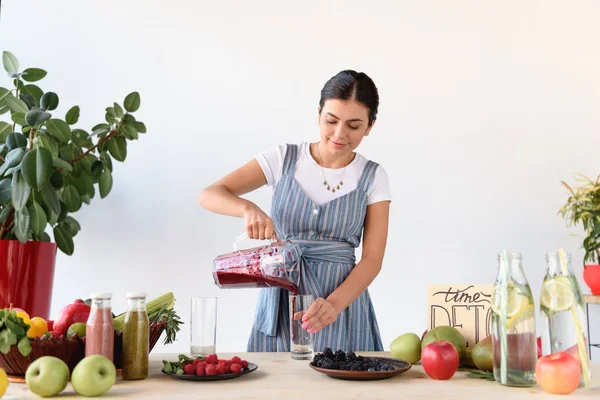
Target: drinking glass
203,329
301,342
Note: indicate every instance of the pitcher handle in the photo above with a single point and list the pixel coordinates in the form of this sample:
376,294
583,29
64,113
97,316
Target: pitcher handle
243,236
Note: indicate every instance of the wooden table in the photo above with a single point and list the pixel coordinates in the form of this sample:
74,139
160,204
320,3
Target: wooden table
279,377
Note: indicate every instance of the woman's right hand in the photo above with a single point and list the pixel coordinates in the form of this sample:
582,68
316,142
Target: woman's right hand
258,224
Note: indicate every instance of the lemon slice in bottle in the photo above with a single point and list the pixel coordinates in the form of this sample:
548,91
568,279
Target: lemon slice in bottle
517,302
557,294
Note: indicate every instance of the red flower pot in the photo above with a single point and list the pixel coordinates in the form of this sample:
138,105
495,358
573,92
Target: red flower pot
27,275
591,276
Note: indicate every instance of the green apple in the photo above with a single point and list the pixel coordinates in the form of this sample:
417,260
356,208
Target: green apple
407,347
47,376
118,325
93,376
78,328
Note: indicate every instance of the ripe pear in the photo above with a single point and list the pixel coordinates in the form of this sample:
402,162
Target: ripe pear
407,347
482,354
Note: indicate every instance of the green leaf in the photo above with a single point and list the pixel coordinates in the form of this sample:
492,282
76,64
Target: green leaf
5,190
12,159
16,140
38,218
100,129
28,100
37,117
20,191
5,129
59,129
63,240
129,119
132,102
71,225
140,127
57,180
62,164
5,211
105,183
24,346
130,132
22,225
16,105
118,110
19,118
11,64
5,92
4,109
71,198
84,184
72,115
51,199
117,147
44,237
33,74
35,92
48,142
49,101
96,170
37,167
106,160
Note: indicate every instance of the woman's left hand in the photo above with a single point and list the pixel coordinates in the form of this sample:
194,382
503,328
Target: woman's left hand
320,314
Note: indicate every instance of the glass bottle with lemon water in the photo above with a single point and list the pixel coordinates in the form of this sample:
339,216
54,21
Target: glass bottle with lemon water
562,312
513,324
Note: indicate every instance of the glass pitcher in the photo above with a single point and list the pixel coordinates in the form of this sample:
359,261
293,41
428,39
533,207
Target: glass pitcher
276,264
562,312
513,324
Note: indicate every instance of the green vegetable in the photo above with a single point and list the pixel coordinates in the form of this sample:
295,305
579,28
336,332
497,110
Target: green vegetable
161,309
177,366
13,330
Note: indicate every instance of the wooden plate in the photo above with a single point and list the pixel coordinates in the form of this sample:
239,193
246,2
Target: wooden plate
251,367
400,366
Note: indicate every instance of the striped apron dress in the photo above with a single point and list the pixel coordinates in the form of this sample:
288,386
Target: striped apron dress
326,236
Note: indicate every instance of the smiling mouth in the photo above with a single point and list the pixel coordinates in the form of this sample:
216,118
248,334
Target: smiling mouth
337,144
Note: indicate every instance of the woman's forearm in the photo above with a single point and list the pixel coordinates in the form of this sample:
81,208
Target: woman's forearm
355,284
219,199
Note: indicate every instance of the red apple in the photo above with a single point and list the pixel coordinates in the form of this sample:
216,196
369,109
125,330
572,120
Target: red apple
440,359
50,325
558,373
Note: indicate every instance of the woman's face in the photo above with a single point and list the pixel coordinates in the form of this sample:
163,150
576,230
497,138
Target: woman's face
343,125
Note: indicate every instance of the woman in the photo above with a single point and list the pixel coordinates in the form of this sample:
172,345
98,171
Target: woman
325,196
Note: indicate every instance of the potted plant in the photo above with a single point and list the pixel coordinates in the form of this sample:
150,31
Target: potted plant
583,207
49,169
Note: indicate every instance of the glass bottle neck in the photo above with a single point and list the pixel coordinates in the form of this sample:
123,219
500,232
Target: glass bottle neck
557,265
510,266
101,303
136,304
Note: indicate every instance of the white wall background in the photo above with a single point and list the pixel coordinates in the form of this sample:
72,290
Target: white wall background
485,107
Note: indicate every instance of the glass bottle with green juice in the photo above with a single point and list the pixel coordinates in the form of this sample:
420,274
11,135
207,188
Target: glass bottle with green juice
135,338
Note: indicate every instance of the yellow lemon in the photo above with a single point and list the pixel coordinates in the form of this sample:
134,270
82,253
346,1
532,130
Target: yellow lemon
37,327
557,294
3,382
517,301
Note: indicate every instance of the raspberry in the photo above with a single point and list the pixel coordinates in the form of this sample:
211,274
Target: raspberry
201,369
201,364
189,369
212,359
224,362
236,360
222,369
211,370
235,368
196,361
244,364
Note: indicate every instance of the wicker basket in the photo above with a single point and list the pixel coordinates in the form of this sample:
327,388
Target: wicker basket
71,351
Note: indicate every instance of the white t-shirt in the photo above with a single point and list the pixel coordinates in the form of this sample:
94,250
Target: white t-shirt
309,175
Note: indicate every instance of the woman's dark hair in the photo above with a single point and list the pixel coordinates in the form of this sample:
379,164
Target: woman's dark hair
352,85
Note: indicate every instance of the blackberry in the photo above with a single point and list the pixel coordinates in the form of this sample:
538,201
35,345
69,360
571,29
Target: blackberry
339,355
327,363
350,356
328,353
318,357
